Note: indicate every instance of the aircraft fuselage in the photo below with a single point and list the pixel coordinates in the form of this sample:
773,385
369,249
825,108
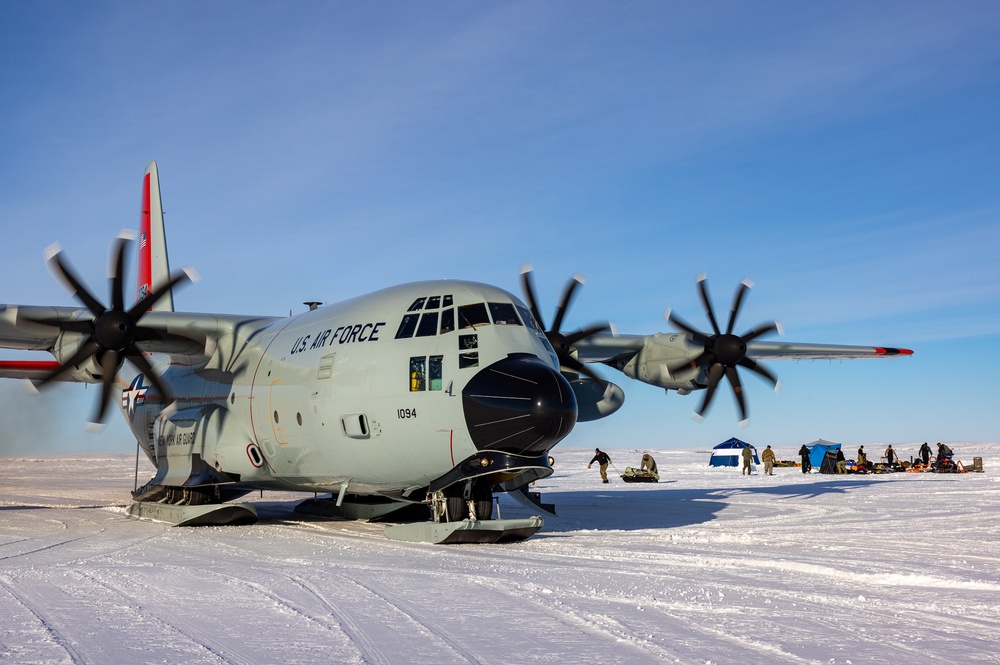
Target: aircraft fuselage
381,394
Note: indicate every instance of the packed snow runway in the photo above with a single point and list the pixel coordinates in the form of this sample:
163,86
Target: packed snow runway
706,566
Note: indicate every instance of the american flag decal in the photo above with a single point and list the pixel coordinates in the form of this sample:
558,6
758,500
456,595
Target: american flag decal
142,240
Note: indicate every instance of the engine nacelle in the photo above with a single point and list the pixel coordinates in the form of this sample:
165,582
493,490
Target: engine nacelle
660,352
595,400
88,371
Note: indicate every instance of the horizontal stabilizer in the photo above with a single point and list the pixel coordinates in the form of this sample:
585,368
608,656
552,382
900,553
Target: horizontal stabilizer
34,370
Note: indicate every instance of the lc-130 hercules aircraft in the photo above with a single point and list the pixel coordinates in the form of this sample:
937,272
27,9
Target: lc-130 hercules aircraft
421,398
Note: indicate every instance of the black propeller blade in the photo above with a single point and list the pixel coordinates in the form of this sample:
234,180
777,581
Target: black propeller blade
563,343
112,332
723,351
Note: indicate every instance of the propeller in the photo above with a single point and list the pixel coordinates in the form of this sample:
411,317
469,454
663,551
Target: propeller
112,333
563,343
724,351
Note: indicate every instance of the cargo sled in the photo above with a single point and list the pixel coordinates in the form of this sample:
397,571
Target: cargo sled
633,475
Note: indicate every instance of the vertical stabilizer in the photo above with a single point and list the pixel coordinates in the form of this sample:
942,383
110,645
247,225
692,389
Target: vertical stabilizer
154,268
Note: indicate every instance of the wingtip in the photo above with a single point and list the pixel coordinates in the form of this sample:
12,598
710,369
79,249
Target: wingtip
890,351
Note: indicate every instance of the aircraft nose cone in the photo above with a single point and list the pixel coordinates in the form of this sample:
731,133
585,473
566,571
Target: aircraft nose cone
519,405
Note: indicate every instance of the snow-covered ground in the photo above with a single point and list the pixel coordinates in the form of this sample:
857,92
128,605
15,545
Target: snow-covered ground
707,566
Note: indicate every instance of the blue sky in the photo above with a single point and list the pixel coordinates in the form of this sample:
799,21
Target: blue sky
843,156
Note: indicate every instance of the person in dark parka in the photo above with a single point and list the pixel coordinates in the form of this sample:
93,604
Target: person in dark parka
601,458
806,465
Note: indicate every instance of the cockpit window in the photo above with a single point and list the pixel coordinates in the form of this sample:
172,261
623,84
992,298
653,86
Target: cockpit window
527,318
447,301
447,321
470,316
503,314
428,325
433,302
417,305
407,326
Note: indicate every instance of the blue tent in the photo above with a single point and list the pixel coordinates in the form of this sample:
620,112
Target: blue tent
818,448
729,453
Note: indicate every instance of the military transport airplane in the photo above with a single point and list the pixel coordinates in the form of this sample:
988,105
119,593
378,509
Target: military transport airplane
429,396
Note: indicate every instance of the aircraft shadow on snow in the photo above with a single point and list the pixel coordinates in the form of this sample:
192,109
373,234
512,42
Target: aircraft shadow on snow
630,509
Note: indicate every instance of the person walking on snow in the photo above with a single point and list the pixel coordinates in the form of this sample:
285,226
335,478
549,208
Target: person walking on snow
747,458
768,457
601,458
890,456
806,464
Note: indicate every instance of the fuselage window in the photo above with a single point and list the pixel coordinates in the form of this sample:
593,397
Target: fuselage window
470,316
428,325
417,305
466,342
468,360
434,302
503,314
447,321
435,369
418,373
407,326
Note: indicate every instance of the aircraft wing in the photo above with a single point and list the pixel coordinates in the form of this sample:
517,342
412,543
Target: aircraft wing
685,362
800,351
603,348
174,333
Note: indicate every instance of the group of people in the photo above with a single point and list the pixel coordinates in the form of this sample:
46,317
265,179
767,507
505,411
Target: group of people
861,464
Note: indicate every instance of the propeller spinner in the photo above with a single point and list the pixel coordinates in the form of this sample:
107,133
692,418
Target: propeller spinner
563,343
112,333
724,351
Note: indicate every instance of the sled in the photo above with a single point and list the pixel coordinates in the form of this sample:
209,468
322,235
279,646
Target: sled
465,531
633,475
212,514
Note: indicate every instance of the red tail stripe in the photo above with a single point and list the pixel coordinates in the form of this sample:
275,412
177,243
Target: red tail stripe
144,276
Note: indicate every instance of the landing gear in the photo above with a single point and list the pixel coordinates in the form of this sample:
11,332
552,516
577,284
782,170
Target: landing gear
463,513
468,500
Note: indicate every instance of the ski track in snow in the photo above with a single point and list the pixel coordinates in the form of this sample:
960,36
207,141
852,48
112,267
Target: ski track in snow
704,567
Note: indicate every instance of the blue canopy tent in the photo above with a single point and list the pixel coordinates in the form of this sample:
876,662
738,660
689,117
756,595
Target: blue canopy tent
818,448
729,453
